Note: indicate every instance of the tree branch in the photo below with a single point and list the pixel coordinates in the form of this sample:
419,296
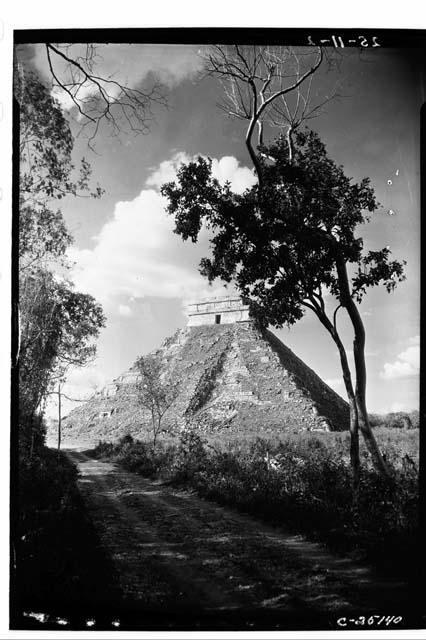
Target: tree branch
133,104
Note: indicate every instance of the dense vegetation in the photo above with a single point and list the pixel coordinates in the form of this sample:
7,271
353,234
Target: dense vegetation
58,325
301,481
396,420
57,329
60,568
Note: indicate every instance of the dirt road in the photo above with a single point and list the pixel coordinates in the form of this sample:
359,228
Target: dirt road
178,555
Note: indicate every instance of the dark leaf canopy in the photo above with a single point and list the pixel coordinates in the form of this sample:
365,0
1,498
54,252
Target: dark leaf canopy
279,242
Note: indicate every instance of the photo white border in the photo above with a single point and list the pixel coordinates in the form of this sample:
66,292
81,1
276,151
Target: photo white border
43,14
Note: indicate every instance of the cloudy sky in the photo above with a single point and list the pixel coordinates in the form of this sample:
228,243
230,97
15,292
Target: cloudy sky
126,254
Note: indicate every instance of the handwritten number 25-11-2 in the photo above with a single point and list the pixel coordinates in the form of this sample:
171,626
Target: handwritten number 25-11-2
337,41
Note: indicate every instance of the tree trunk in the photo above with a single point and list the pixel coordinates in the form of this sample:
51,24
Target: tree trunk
361,373
59,419
32,436
158,431
353,424
353,409
354,455
289,137
154,432
369,438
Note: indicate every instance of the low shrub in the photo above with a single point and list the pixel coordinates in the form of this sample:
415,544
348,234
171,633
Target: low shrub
189,457
47,482
302,481
103,450
136,456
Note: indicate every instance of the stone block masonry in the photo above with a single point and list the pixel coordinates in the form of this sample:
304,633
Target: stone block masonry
232,378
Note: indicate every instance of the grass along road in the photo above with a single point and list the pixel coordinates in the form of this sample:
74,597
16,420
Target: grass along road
184,562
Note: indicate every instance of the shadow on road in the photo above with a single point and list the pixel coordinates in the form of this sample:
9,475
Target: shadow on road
181,563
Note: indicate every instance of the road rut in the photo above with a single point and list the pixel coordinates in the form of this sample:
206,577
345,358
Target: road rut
174,552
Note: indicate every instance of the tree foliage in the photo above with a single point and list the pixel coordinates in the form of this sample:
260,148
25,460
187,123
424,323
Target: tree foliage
47,173
154,392
46,145
280,244
57,325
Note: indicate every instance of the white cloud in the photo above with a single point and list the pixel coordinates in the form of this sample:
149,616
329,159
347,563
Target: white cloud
137,254
395,407
167,170
125,310
130,64
407,363
227,170
399,406
84,378
81,383
224,170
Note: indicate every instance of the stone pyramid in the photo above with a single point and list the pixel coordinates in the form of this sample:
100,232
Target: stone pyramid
232,378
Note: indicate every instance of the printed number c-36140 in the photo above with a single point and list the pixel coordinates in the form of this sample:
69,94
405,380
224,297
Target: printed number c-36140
369,621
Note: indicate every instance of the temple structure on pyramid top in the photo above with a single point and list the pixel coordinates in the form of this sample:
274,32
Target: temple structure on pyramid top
219,310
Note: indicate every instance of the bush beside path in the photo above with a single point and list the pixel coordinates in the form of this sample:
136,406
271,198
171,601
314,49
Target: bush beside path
185,562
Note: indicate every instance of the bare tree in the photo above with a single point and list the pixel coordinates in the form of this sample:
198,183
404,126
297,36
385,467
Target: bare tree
99,98
59,392
154,393
268,85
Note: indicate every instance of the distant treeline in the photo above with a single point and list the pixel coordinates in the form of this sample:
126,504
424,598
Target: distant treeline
396,420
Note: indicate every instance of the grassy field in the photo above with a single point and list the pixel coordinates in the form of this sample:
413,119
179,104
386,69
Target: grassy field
301,481
394,443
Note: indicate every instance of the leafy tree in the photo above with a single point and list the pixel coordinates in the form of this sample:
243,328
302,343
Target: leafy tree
154,393
46,145
286,241
47,173
57,325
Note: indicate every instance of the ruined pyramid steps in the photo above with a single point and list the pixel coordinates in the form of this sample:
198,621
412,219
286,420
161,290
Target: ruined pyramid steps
232,378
